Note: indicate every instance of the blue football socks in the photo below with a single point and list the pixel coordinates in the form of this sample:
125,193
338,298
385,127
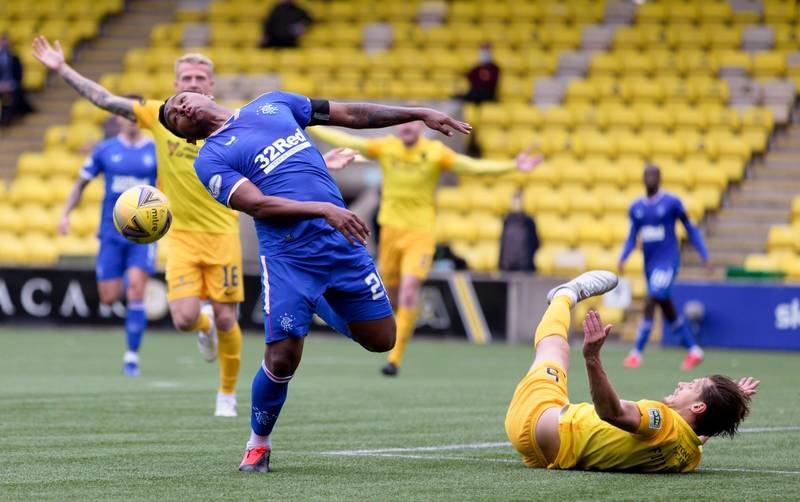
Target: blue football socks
135,324
268,395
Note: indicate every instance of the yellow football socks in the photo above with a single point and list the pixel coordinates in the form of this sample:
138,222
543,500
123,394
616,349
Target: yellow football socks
201,324
406,322
555,321
230,354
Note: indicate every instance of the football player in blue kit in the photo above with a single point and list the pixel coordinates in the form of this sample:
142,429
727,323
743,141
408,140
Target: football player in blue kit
126,160
259,160
653,219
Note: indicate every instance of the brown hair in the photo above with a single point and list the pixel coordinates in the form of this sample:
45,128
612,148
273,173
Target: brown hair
726,407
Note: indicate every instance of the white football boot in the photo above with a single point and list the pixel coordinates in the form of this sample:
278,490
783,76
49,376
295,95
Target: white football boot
586,285
226,405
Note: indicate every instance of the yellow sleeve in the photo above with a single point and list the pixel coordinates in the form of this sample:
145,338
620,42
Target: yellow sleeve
336,137
656,418
146,113
467,165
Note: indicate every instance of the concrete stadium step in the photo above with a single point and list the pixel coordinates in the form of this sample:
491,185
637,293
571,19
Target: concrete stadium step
719,257
753,215
734,242
758,183
734,226
762,199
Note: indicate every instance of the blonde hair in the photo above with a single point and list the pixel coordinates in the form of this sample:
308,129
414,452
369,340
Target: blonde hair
194,58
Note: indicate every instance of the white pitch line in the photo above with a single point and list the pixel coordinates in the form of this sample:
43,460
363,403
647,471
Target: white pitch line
480,446
471,446
786,428
758,471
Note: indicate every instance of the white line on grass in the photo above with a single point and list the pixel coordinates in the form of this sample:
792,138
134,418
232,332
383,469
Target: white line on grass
759,471
481,446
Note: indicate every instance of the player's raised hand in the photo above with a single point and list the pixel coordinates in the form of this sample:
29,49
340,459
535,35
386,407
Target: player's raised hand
50,56
338,158
444,123
63,225
749,385
594,334
347,222
526,162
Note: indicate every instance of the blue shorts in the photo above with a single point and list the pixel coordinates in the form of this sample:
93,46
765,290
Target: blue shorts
660,278
116,255
330,276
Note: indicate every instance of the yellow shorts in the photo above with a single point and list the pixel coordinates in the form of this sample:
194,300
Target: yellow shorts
208,266
404,252
545,386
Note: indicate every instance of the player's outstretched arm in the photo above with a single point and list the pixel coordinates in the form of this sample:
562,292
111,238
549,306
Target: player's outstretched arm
339,158
373,116
248,199
53,58
71,203
524,161
340,138
607,404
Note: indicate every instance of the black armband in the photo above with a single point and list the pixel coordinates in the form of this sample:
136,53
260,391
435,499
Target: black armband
320,112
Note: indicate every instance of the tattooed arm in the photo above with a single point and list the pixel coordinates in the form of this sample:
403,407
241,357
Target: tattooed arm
53,58
370,116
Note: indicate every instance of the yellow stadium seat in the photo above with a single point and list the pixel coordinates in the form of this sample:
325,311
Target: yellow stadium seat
721,145
489,226
651,13
526,116
695,62
598,145
605,64
796,210
594,233
640,89
28,189
715,12
39,249
628,38
654,118
462,229
635,263
689,117
32,164
558,117
686,38
718,116
451,199
707,90
722,36
768,64
621,117
631,147
780,12
758,118
13,250
548,202
494,142
580,90
709,196
761,263
636,63
783,238
545,257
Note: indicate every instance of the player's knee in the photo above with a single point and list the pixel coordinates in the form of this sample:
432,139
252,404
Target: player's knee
183,321
108,297
281,362
224,317
382,339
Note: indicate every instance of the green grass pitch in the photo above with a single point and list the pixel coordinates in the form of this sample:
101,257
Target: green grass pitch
73,428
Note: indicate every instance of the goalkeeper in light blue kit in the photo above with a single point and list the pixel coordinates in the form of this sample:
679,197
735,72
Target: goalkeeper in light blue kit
126,160
653,219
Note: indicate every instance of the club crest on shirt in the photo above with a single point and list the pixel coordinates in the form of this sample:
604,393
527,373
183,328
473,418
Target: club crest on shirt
287,322
267,109
655,418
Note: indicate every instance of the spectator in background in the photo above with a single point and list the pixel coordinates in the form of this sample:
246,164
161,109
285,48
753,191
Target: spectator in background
12,96
483,78
519,240
285,24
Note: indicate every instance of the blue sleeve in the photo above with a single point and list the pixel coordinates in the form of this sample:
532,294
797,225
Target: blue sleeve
92,166
219,178
299,105
695,237
630,243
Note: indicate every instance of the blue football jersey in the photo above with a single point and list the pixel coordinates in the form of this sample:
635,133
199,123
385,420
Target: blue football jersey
124,166
653,220
264,142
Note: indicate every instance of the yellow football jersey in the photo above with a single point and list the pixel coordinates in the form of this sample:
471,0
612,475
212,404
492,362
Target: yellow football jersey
663,443
193,209
410,178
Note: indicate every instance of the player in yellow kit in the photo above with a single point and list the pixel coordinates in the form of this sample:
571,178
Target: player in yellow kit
204,258
412,165
612,434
